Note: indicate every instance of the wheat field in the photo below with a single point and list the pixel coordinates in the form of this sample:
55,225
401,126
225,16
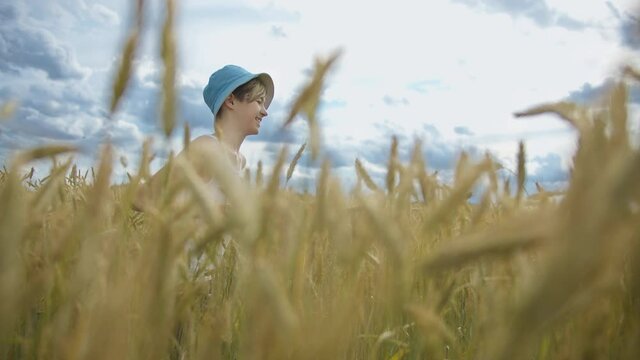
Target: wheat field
408,270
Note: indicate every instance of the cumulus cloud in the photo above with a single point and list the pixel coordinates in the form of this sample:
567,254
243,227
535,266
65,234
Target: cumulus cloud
439,154
277,31
272,132
58,98
104,14
63,111
68,14
590,93
391,101
463,130
24,46
536,10
141,102
549,171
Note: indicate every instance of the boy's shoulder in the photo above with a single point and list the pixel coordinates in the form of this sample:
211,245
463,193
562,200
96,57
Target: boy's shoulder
205,142
205,139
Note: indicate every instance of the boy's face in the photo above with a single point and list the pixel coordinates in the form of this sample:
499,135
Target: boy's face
250,115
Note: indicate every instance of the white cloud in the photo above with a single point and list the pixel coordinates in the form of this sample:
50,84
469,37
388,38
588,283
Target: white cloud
104,14
589,10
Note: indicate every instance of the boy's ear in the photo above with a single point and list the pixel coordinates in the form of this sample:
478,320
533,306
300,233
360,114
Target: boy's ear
229,101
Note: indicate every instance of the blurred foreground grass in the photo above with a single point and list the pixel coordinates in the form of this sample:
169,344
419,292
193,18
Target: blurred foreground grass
411,271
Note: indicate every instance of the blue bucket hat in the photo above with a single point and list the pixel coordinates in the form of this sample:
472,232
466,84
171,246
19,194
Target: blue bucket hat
224,81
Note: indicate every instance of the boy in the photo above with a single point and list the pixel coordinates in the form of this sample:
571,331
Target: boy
238,101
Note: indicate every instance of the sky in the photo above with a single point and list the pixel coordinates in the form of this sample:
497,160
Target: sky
449,73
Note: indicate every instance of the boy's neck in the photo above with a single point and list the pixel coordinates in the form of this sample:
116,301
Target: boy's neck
228,135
